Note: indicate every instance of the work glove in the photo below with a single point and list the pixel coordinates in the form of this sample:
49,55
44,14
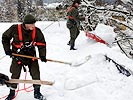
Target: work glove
43,58
3,79
9,53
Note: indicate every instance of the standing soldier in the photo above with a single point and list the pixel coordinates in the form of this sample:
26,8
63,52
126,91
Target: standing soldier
24,38
73,23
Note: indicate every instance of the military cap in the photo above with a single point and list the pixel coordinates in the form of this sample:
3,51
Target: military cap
29,19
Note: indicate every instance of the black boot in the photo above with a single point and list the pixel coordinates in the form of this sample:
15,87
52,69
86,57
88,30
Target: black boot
72,48
68,43
38,95
11,95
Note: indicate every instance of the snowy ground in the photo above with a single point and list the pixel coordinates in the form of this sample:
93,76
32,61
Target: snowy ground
97,79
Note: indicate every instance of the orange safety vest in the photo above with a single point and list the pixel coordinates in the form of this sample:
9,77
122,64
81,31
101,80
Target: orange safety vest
21,38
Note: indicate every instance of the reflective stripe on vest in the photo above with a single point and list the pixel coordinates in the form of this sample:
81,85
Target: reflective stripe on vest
70,17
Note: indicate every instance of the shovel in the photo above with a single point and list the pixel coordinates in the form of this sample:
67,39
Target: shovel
57,61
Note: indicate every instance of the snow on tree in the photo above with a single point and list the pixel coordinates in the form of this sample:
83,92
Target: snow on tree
8,11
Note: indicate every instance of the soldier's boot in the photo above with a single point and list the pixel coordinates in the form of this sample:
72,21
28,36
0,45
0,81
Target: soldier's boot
72,48
11,95
38,95
68,43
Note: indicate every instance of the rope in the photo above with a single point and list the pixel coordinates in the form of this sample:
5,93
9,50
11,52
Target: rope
18,90
25,84
25,88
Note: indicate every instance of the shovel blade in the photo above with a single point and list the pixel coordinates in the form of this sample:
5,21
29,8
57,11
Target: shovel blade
83,61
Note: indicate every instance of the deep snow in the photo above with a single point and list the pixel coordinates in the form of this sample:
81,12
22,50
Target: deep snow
97,79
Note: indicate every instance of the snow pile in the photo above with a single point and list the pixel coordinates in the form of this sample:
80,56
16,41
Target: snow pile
105,32
96,79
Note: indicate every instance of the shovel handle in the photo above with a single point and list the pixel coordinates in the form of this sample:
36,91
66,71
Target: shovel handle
26,56
30,81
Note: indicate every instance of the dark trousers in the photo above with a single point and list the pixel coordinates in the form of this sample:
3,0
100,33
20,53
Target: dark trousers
74,32
15,69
